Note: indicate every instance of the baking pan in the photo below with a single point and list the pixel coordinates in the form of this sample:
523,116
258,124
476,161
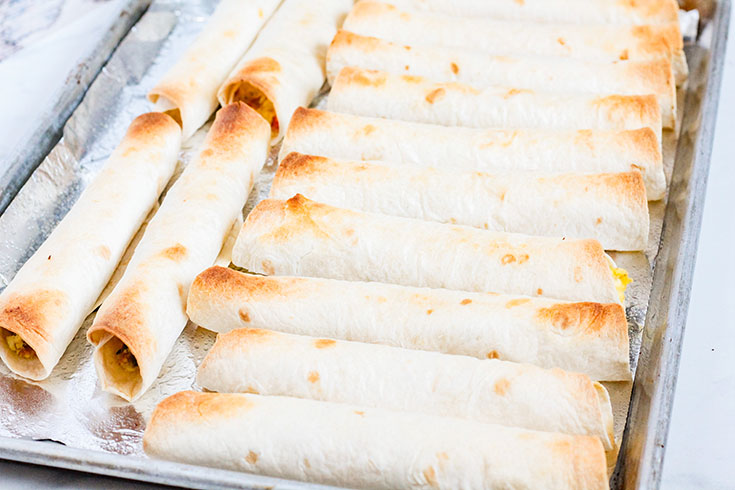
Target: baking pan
95,432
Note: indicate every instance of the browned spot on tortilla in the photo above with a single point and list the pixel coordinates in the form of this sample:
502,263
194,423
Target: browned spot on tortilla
516,302
587,316
561,41
251,458
268,267
406,67
465,301
522,258
324,343
429,312
435,95
244,316
539,291
520,2
430,476
313,377
175,253
501,386
623,55
598,221
260,65
515,91
252,389
360,413
368,129
493,354
578,276
508,259
368,78
455,68
103,251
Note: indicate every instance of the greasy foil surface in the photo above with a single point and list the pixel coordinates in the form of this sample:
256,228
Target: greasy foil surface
69,407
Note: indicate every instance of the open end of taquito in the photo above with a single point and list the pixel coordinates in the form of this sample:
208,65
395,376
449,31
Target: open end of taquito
253,85
20,356
168,106
117,365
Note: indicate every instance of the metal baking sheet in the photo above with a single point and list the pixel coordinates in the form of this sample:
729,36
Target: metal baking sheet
102,434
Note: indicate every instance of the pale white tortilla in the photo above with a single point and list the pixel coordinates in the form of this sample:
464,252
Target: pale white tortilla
610,208
352,137
410,98
54,291
359,447
585,41
146,310
303,237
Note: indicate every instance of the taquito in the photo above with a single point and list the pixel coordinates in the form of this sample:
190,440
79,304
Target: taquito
571,11
480,70
410,98
360,447
139,322
303,237
611,208
44,305
585,41
487,150
250,360
188,90
589,338
285,66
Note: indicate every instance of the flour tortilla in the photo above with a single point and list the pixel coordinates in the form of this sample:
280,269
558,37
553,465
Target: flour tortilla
350,137
54,291
188,90
585,41
549,74
285,66
359,447
410,98
505,393
589,338
610,208
139,322
572,11
303,237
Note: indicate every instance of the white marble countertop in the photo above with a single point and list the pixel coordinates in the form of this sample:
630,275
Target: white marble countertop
702,430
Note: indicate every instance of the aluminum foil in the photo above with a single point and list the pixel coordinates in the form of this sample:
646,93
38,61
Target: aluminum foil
69,407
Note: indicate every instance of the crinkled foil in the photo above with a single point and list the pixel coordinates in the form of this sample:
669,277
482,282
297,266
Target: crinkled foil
69,407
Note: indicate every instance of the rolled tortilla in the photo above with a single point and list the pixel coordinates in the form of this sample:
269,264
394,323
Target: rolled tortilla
589,338
409,98
586,41
139,322
571,11
359,447
488,150
480,70
249,360
44,305
611,208
285,66
188,90
303,237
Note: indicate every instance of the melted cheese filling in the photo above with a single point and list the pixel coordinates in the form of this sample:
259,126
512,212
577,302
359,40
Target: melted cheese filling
19,347
126,359
622,280
259,102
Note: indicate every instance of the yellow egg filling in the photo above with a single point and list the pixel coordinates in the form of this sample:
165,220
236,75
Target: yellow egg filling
126,359
18,346
621,281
